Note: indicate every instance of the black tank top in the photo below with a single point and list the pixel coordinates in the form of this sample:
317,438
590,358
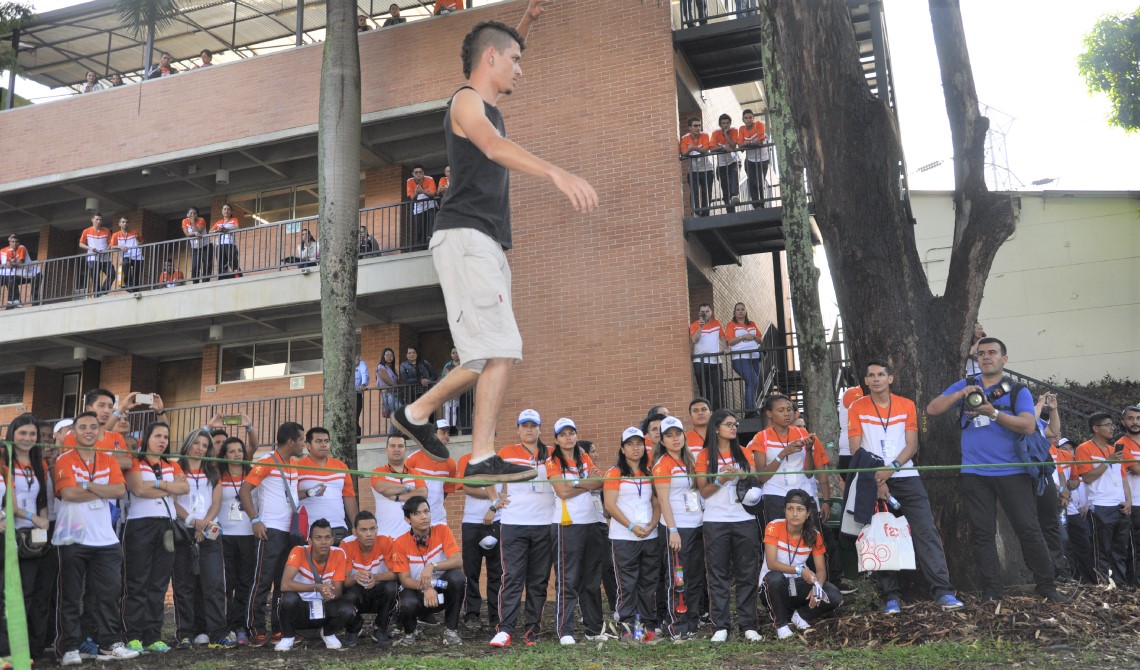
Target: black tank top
478,195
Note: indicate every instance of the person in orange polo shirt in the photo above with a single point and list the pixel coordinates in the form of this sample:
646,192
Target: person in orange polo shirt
699,413
421,192
706,335
312,589
447,6
127,243
227,245
96,241
16,269
694,150
725,141
751,137
427,562
1130,442
444,182
1111,499
201,249
370,585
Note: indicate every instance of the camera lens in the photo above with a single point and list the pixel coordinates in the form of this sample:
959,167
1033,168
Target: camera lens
975,399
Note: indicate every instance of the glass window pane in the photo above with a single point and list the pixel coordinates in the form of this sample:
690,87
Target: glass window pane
305,356
307,202
237,364
276,206
244,208
12,388
271,360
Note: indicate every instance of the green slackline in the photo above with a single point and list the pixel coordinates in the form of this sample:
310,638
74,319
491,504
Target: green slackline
13,589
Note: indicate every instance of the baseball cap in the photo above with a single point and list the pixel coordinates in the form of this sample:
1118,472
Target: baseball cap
529,415
671,422
442,424
61,424
1062,442
631,432
564,423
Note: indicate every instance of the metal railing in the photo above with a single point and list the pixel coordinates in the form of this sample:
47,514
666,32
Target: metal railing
740,380
266,414
272,247
698,12
723,182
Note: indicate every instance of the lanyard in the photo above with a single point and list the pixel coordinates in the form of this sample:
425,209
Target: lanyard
91,468
883,422
235,485
28,472
318,577
794,552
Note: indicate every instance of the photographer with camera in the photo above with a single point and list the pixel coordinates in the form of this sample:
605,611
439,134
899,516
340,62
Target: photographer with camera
993,412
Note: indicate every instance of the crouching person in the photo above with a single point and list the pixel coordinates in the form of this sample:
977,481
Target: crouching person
370,586
428,563
796,593
311,589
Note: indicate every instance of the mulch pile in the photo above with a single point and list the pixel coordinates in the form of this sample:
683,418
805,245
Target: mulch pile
1093,613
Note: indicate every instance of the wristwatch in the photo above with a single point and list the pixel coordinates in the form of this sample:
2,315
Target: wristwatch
994,416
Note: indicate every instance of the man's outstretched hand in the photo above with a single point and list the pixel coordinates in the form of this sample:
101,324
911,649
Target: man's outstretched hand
582,196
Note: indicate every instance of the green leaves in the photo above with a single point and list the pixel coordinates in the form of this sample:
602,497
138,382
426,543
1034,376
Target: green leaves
1111,65
140,15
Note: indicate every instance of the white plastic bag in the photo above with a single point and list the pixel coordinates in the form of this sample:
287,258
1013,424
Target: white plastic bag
885,544
70,527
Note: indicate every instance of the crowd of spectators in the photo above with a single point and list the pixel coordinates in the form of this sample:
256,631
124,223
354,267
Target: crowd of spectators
716,157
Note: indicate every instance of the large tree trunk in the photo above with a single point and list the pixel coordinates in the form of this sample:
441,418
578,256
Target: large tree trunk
820,404
853,152
339,168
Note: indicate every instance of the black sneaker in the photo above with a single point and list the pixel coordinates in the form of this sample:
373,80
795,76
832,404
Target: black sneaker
429,619
423,435
1053,595
845,587
494,469
382,638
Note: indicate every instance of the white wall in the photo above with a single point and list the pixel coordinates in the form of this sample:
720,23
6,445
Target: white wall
1064,290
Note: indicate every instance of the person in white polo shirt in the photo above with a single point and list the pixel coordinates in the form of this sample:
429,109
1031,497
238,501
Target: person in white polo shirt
90,556
525,535
272,519
482,512
706,335
437,490
679,497
325,493
392,485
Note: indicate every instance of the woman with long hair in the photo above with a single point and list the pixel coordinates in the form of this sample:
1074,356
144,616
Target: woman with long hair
308,249
634,513
681,514
782,449
239,547
732,542
386,378
576,569
743,338
199,568
797,592
152,484
32,489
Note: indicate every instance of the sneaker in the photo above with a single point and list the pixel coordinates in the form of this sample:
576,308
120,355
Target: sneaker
350,639
284,644
429,619
752,636
1053,595
845,587
471,621
501,639
201,640
495,469
567,640
381,638
88,649
892,607
949,602
705,621
331,641
242,639
799,622
259,640
136,645
451,637
184,643
71,658
719,636
784,632
159,647
118,652
530,638
423,434
406,641
226,642
649,636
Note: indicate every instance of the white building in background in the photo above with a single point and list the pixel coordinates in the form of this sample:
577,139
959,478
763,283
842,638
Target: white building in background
1064,291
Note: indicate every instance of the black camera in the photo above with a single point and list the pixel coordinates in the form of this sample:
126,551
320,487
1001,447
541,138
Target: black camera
975,399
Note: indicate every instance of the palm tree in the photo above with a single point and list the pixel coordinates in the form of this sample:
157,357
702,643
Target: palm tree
13,15
150,16
338,140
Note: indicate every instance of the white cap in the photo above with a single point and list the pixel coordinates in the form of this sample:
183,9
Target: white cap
564,423
671,422
442,424
529,415
61,424
631,432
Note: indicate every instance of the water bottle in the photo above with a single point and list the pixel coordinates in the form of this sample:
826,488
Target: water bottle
678,579
1064,519
638,629
893,504
439,584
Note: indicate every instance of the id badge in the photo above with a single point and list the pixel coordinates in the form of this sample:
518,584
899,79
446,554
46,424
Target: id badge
316,610
95,504
197,507
692,501
981,421
792,587
39,536
641,517
598,506
27,504
235,513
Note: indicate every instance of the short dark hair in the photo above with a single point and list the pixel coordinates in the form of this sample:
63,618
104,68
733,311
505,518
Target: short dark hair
290,430
691,120
748,111
314,431
79,416
1097,417
205,52
698,400
585,445
319,523
724,117
91,396
214,432
412,504
363,515
417,166
993,340
876,361
487,34
704,304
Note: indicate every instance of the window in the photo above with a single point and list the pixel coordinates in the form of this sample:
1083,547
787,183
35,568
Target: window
12,388
266,360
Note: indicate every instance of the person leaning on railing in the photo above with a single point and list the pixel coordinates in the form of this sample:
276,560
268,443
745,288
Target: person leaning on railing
387,378
694,147
15,269
756,158
227,247
201,249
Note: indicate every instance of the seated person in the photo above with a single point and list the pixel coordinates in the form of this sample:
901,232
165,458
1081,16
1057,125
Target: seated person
17,269
447,6
365,243
428,563
170,277
395,19
312,587
370,586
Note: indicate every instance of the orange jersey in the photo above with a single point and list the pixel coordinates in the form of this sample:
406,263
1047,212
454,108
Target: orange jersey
411,557
109,442
754,135
444,182
688,144
694,441
10,256
127,239
428,185
719,138
448,5
375,561
96,239
334,568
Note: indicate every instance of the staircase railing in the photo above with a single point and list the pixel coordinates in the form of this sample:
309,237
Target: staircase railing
1075,408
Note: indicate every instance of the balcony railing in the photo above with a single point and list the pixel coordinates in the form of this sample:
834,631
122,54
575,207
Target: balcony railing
272,247
723,182
699,12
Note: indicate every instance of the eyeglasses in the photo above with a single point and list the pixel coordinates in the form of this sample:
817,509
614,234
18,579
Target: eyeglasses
726,424
1108,424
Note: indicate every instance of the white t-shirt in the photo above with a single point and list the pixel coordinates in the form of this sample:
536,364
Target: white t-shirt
722,505
635,500
532,503
883,429
271,480
580,507
684,499
153,508
94,516
330,504
231,517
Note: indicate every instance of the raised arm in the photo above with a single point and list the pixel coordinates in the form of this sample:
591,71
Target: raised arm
533,10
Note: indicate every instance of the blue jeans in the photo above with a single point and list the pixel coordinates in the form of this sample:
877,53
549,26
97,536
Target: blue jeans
749,369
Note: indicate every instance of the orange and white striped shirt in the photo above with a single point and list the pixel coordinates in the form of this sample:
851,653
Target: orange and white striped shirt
794,553
409,556
882,430
338,486
334,568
